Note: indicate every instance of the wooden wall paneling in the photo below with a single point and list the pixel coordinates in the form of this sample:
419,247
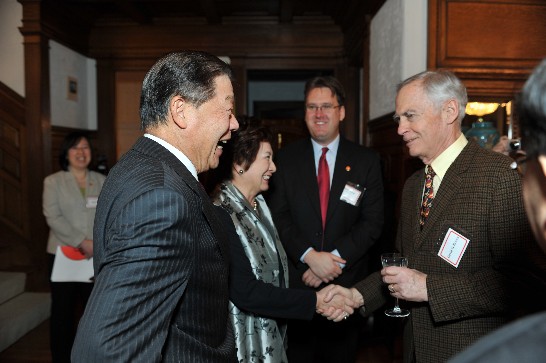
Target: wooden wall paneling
127,115
495,35
365,94
396,162
349,77
36,163
492,45
321,39
12,153
240,85
383,138
63,24
106,105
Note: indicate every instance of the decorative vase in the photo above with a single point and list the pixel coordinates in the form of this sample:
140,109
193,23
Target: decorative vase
484,133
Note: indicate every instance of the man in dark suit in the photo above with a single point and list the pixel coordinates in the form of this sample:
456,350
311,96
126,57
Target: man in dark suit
327,239
523,340
161,259
462,233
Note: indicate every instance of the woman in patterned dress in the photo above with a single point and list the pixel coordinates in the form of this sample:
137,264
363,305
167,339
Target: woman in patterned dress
259,294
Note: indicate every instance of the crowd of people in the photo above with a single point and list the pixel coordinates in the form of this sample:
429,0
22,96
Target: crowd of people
275,265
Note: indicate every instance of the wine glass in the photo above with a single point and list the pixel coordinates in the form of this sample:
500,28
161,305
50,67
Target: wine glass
395,259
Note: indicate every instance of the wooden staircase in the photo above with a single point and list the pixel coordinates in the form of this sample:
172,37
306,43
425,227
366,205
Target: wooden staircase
20,311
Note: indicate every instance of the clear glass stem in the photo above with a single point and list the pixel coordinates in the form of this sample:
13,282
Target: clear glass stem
396,308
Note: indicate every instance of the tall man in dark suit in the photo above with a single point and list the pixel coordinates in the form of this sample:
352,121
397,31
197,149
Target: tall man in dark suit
326,238
161,259
462,233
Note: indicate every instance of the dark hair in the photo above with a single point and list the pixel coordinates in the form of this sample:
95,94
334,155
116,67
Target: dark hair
326,82
242,148
71,140
246,141
530,111
440,86
189,74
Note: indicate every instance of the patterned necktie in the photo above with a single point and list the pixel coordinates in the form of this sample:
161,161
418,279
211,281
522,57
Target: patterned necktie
428,196
323,179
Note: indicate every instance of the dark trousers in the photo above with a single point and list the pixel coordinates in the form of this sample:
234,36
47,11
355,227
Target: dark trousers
68,301
323,341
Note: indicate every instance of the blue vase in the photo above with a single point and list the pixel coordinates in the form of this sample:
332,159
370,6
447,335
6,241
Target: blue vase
484,133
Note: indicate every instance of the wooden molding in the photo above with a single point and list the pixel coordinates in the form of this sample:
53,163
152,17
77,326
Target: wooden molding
491,45
12,156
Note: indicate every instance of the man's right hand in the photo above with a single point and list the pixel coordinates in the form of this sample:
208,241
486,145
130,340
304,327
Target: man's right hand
337,303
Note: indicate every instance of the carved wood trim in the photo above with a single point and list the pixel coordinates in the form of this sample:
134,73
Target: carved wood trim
491,45
13,211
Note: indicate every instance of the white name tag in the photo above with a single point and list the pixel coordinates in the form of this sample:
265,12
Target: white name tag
352,193
91,202
453,247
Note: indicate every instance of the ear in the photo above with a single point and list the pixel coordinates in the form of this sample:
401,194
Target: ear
450,111
177,107
237,169
341,113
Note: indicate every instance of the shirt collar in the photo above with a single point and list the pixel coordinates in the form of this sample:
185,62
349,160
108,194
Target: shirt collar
446,158
179,154
332,147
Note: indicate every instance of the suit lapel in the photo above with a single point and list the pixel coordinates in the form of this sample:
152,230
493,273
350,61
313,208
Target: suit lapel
151,147
308,176
341,176
411,204
451,184
211,217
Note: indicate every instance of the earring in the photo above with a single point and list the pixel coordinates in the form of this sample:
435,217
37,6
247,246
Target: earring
241,171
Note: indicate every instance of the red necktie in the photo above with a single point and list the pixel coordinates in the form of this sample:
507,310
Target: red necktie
323,179
428,196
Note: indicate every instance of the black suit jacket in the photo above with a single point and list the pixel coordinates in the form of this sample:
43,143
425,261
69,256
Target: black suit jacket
161,268
294,202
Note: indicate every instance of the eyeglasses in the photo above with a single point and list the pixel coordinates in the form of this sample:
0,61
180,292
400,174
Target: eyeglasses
326,107
520,165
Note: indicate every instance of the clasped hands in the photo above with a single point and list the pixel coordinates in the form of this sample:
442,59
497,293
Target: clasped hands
323,267
333,302
336,302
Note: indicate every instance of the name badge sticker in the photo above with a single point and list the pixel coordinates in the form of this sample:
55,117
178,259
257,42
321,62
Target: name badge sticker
453,247
91,202
352,194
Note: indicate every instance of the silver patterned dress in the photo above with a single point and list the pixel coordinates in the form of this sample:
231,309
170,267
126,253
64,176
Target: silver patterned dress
258,339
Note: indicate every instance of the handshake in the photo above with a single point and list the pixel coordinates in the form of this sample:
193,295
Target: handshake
336,302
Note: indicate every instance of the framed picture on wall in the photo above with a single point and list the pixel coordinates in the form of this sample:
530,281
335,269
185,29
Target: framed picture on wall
72,89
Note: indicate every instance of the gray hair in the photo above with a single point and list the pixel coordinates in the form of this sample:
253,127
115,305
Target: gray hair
440,86
189,74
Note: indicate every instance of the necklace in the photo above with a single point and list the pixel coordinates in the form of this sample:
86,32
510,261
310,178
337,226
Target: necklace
255,204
